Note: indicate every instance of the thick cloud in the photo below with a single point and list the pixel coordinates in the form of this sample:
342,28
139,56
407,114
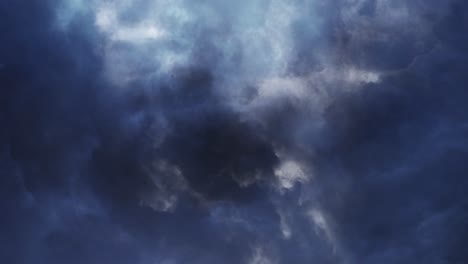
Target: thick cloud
266,131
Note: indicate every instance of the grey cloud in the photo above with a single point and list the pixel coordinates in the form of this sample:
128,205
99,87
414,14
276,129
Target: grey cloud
248,132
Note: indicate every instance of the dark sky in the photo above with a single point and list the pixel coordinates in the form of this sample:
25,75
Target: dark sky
250,131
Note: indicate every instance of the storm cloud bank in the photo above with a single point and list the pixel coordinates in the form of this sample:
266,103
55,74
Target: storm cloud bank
257,132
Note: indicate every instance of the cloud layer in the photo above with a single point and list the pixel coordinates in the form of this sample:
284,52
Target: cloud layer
257,132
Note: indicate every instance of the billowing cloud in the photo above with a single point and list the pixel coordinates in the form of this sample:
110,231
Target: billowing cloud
257,132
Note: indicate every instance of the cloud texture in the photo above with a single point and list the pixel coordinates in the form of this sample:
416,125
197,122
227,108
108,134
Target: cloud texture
257,132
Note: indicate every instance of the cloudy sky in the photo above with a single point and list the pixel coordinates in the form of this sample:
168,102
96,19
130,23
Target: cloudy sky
237,132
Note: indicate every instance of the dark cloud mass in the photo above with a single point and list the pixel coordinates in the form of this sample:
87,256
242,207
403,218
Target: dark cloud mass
257,132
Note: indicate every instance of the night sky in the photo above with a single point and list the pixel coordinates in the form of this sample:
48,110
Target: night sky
234,132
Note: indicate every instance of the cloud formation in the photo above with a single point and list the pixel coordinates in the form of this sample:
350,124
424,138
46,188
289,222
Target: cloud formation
258,132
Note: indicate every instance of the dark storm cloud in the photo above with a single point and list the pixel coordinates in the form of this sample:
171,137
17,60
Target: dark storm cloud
76,156
50,112
208,132
401,145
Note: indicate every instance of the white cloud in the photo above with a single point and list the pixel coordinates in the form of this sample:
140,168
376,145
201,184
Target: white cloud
322,225
289,173
285,225
260,256
146,30
356,76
